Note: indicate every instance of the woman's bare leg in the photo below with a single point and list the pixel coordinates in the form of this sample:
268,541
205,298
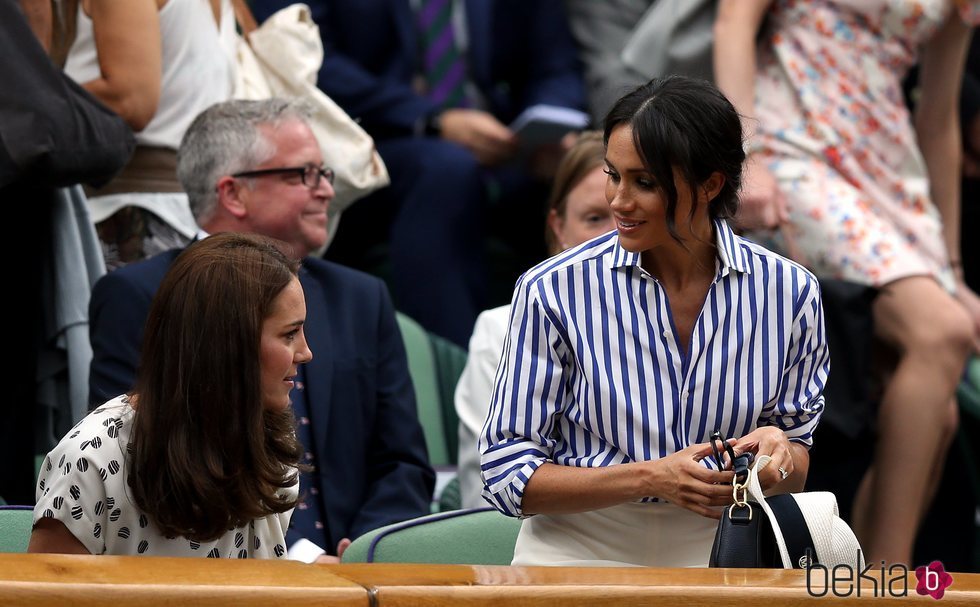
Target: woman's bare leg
932,335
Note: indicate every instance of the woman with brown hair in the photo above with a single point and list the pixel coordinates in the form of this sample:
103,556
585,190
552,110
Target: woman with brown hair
200,459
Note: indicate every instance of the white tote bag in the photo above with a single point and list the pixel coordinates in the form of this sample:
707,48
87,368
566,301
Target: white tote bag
281,58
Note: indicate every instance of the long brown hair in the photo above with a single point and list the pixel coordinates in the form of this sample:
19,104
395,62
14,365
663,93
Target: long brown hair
581,159
205,455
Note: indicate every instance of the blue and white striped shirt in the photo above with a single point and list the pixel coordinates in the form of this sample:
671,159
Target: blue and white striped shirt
592,373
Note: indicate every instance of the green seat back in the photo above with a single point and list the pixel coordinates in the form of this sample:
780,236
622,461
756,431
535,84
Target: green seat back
450,360
422,368
450,499
480,536
15,528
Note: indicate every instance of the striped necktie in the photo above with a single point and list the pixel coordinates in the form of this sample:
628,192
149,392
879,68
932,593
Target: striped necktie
309,519
443,66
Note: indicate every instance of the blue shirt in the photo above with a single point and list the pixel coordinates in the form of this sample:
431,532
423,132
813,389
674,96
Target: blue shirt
593,375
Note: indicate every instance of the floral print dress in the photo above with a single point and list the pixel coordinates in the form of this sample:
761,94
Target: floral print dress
834,130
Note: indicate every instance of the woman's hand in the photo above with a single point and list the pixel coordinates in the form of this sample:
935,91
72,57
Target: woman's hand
682,480
771,441
762,205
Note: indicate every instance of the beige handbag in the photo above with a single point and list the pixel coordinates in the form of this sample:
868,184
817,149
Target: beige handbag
281,58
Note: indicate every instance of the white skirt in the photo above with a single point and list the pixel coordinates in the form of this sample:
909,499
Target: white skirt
627,535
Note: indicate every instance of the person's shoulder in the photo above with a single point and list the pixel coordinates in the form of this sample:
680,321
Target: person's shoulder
493,316
94,434
145,275
493,322
332,273
108,413
589,251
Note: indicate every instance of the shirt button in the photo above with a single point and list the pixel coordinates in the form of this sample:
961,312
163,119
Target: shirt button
666,333
684,395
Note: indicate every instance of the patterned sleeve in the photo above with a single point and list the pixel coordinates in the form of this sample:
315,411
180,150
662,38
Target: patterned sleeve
71,489
969,11
517,436
800,401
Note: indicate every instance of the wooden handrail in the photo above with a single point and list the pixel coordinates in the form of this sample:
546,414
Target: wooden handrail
397,585
121,581
46,579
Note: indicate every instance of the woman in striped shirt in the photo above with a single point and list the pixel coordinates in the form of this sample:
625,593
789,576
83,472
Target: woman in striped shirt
625,353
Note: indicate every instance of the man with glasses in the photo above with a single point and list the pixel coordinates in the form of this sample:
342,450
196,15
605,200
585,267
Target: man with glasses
255,166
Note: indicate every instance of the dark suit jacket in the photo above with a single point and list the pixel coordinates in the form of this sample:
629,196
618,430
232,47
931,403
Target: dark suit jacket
519,53
371,457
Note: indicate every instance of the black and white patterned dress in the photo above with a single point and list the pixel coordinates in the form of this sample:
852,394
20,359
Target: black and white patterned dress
82,483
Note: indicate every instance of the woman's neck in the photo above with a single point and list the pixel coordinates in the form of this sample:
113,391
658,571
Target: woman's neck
678,265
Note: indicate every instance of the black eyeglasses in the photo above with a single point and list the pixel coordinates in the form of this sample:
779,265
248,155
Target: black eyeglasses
310,174
718,437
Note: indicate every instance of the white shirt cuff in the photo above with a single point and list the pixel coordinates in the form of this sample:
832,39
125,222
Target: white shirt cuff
304,550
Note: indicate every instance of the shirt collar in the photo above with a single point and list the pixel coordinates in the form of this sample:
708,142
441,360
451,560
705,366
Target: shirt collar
731,255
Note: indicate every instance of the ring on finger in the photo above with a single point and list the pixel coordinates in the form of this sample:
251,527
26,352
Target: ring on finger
782,472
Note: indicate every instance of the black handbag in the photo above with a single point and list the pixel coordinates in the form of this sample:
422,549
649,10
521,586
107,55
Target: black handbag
744,537
788,531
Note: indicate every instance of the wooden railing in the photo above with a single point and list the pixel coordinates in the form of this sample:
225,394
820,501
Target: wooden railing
35,579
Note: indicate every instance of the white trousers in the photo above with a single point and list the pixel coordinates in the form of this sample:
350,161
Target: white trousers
633,534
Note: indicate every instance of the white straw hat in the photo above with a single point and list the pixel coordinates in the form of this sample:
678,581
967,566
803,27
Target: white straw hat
806,521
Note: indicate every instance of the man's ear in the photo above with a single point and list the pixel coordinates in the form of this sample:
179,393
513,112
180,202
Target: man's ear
232,196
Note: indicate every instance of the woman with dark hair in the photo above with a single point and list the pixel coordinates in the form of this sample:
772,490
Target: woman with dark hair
200,459
626,353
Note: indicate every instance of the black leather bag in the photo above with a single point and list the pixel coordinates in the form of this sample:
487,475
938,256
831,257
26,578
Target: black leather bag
745,537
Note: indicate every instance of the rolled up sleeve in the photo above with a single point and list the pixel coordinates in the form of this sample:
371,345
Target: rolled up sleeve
528,388
800,399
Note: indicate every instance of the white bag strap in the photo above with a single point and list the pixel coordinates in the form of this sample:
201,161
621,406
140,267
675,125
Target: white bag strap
792,534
